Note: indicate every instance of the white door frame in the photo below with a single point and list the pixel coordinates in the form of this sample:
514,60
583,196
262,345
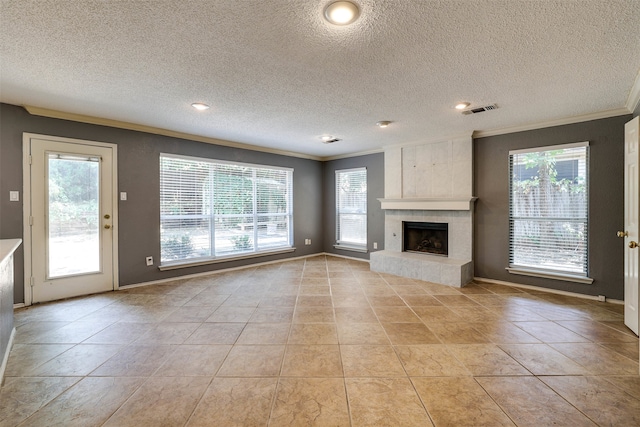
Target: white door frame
26,207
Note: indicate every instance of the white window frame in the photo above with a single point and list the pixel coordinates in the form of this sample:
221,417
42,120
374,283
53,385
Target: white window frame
341,242
252,222
536,271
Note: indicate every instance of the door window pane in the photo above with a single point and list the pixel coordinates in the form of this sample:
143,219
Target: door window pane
73,228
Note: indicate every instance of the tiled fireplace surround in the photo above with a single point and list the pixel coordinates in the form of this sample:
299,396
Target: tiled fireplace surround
429,182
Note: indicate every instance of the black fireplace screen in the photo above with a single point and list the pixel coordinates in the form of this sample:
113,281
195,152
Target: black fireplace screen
426,237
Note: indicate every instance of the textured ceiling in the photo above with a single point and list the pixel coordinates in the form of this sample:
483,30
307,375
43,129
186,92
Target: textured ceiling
277,75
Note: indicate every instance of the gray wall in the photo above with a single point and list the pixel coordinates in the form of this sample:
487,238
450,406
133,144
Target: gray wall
375,189
138,175
314,196
606,202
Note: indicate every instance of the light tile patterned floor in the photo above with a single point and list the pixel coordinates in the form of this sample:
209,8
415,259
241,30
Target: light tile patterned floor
321,342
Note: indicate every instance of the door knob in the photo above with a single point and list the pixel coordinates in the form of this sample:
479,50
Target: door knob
107,226
107,216
622,234
633,244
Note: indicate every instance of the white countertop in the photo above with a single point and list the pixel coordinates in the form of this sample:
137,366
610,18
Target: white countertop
7,246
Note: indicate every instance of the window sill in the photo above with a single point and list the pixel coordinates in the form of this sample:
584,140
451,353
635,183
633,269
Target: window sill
549,275
195,263
351,248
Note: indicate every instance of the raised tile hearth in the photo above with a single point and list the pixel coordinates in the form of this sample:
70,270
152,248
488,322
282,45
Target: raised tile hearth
430,268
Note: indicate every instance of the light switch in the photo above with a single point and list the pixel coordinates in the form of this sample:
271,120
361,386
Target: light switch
123,195
14,196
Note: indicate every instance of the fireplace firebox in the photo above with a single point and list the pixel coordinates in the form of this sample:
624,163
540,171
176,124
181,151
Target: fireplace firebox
426,237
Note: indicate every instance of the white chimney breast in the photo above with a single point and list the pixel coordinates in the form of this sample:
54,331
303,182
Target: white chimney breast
429,182
393,172
430,170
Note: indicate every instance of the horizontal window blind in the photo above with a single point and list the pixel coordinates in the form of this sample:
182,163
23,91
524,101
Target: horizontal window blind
214,208
548,209
351,207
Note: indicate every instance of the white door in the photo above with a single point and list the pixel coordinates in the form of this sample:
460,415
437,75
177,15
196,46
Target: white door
69,218
631,201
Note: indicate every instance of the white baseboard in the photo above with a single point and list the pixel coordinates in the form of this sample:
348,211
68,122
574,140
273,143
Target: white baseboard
225,270
5,356
344,256
244,267
551,291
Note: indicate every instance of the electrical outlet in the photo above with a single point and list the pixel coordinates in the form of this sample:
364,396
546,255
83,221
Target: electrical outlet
14,196
375,245
602,298
307,242
149,260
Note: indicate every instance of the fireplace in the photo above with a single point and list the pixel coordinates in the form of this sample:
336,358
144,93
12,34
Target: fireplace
426,237
431,184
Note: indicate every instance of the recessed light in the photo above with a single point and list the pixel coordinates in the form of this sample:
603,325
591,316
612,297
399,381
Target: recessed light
200,106
341,12
383,123
462,105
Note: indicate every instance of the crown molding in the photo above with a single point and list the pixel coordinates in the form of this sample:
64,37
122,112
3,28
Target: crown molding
431,140
551,123
632,102
357,154
634,95
55,114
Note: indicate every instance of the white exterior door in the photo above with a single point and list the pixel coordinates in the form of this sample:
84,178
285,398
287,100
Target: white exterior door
69,218
631,201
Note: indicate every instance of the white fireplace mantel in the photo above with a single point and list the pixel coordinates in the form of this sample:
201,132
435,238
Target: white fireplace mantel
429,204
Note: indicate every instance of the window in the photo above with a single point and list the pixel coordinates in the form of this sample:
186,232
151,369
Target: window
351,209
548,209
212,208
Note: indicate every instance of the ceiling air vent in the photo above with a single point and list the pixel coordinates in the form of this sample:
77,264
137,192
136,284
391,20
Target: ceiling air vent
330,141
480,109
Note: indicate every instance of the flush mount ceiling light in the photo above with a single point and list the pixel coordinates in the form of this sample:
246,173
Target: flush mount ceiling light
462,105
200,106
341,12
383,123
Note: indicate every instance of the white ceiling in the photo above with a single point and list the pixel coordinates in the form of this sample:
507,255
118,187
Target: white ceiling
277,75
